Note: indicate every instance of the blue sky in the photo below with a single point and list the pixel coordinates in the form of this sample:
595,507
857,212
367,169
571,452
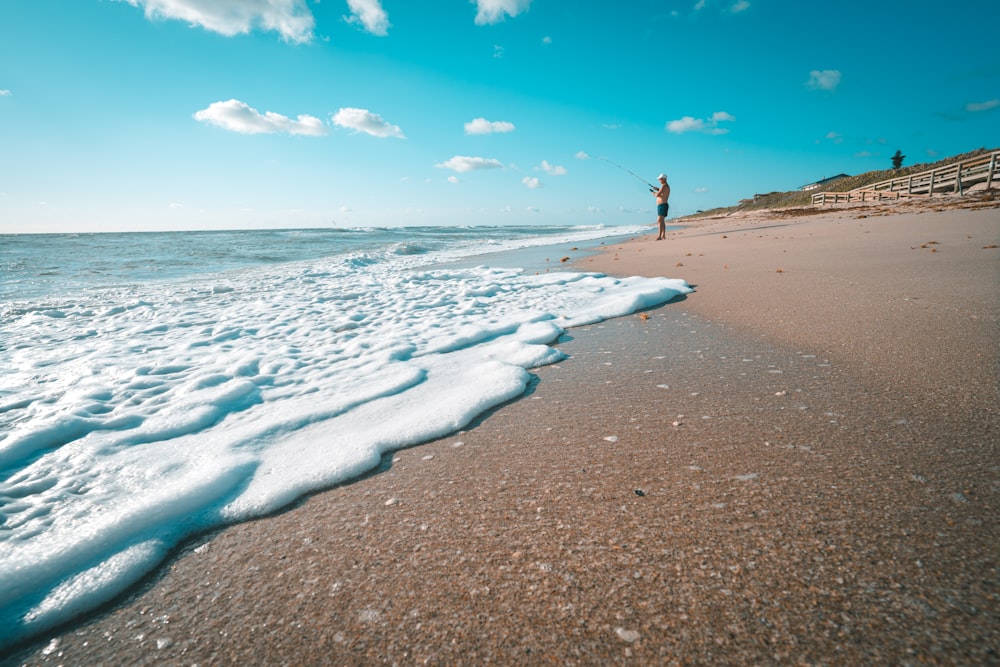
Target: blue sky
214,114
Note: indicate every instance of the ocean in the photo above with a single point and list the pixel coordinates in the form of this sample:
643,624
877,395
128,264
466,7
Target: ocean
157,385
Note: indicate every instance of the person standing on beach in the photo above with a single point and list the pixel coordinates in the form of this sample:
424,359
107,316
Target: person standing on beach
662,206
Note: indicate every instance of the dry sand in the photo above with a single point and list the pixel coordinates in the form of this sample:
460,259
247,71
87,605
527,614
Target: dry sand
796,464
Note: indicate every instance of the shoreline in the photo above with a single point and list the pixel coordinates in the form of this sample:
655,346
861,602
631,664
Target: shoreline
782,467
874,285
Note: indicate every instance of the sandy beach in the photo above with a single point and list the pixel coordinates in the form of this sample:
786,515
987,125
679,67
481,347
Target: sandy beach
795,464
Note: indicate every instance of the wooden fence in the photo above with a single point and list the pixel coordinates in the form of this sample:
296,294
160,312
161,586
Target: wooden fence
955,178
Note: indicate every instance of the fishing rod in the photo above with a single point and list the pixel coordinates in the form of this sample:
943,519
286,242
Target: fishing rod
629,171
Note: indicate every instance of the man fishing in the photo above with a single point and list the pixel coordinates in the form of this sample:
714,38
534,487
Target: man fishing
662,206
662,195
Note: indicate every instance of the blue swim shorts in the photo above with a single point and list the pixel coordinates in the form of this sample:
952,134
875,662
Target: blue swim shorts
661,209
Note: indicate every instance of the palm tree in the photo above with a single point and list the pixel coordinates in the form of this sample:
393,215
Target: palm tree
897,160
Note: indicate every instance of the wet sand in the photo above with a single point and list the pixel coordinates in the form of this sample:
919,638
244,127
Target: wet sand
796,464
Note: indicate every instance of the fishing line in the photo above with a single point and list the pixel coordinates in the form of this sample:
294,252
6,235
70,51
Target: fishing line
629,171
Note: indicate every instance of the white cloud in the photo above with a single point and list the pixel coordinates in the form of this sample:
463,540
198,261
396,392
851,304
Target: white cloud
362,120
462,163
175,205
493,11
685,124
237,116
454,179
552,169
973,107
532,182
582,155
734,7
5,93
289,18
708,125
483,126
369,13
826,79
546,40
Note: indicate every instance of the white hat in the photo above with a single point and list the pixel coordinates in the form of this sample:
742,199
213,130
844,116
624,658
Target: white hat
663,176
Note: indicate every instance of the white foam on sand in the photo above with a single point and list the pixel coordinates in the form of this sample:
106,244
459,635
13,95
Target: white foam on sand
136,419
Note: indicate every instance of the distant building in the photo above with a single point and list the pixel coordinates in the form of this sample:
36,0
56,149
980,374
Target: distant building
825,181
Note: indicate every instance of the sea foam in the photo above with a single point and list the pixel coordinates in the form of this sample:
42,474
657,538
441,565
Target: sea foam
137,415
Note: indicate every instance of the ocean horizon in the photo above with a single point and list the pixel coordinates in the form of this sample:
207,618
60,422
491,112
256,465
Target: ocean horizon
155,385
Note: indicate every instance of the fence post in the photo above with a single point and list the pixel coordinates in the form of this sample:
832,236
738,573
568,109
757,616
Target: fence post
909,184
930,187
958,179
993,165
